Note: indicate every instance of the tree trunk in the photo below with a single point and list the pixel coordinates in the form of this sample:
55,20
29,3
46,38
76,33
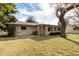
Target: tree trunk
63,11
63,27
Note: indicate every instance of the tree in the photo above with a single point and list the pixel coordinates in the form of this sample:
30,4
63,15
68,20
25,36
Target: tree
6,11
7,8
74,18
12,18
31,19
61,10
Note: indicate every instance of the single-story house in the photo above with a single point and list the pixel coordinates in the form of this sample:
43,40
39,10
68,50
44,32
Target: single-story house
26,29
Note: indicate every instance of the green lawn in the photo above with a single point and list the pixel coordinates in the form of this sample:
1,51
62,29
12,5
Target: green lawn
44,46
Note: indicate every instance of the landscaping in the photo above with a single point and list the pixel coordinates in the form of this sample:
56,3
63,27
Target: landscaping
40,46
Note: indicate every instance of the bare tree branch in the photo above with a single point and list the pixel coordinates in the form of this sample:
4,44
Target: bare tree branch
61,10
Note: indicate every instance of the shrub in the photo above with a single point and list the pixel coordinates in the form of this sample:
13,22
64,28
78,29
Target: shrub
11,31
56,33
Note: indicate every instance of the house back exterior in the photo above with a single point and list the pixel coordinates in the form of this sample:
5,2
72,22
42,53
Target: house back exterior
27,29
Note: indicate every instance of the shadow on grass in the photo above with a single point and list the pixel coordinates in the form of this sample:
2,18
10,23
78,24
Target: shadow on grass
10,38
36,38
72,41
42,38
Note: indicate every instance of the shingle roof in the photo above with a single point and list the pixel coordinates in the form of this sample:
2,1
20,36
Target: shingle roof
27,23
22,23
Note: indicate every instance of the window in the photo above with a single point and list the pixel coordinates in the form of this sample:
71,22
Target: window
49,29
23,27
76,28
58,29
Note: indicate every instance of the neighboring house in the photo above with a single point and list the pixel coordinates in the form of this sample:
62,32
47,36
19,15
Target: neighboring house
26,29
72,29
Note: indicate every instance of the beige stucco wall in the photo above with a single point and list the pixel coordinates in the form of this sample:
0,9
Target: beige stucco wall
69,29
27,32
42,30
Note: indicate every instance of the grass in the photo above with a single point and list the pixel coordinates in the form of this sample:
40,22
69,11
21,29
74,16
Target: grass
40,46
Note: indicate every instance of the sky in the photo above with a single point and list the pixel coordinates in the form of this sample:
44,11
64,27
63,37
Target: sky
41,12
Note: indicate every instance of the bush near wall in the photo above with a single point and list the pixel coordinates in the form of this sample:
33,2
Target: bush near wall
11,30
56,33
76,28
